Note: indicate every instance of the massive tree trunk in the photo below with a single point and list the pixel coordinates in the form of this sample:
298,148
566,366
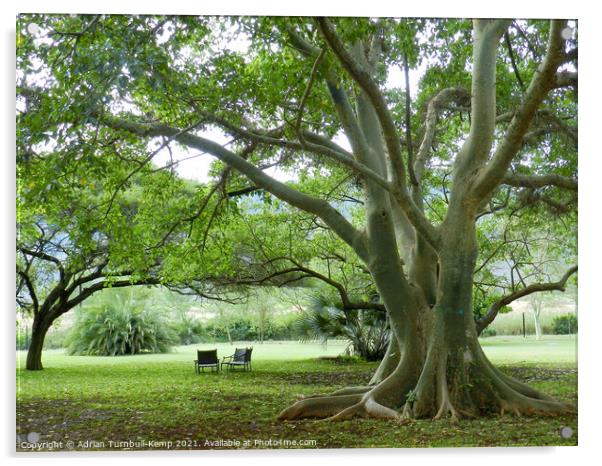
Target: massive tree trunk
442,369
39,329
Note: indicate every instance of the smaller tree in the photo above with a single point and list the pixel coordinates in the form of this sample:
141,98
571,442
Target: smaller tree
536,301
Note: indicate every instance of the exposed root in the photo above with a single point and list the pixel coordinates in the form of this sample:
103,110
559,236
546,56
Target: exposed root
359,390
511,382
357,410
445,404
368,408
512,398
454,384
407,413
478,388
378,411
353,390
509,407
318,407
445,408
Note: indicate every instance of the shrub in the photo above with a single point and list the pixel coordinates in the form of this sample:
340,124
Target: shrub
488,332
56,338
189,330
23,339
367,330
565,324
119,326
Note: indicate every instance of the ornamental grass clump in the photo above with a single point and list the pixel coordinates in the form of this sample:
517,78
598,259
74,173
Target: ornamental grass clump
119,326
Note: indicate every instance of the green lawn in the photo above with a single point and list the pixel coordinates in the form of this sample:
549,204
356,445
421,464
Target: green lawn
552,349
158,399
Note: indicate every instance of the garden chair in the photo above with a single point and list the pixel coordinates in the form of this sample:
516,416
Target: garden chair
207,358
240,358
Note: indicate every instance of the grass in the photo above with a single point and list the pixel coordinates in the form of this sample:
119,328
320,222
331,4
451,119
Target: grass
551,349
159,399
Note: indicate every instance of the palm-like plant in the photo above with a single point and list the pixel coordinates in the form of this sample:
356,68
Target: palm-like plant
367,330
119,324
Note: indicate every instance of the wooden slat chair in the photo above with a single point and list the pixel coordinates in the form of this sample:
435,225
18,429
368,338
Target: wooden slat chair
240,358
206,358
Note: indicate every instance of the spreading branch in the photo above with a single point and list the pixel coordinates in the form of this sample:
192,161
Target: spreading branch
370,87
540,181
31,290
540,85
310,143
303,201
45,257
491,314
434,107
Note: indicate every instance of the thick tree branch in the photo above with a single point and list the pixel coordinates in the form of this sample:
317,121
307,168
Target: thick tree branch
476,148
98,286
303,201
45,257
370,87
439,101
31,290
565,79
484,321
300,44
534,181
392,141
310,143
540,85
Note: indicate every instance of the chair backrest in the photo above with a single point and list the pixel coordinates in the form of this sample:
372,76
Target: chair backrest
207,356
239,355
248,354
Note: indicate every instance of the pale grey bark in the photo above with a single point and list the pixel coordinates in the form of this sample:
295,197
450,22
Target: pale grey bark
551,179
536,306
540,85
475,151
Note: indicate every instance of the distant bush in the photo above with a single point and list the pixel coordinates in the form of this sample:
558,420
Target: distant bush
23,339
118,327
189,330
488,332
56,338
241,328
565,324
283,327
481,303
